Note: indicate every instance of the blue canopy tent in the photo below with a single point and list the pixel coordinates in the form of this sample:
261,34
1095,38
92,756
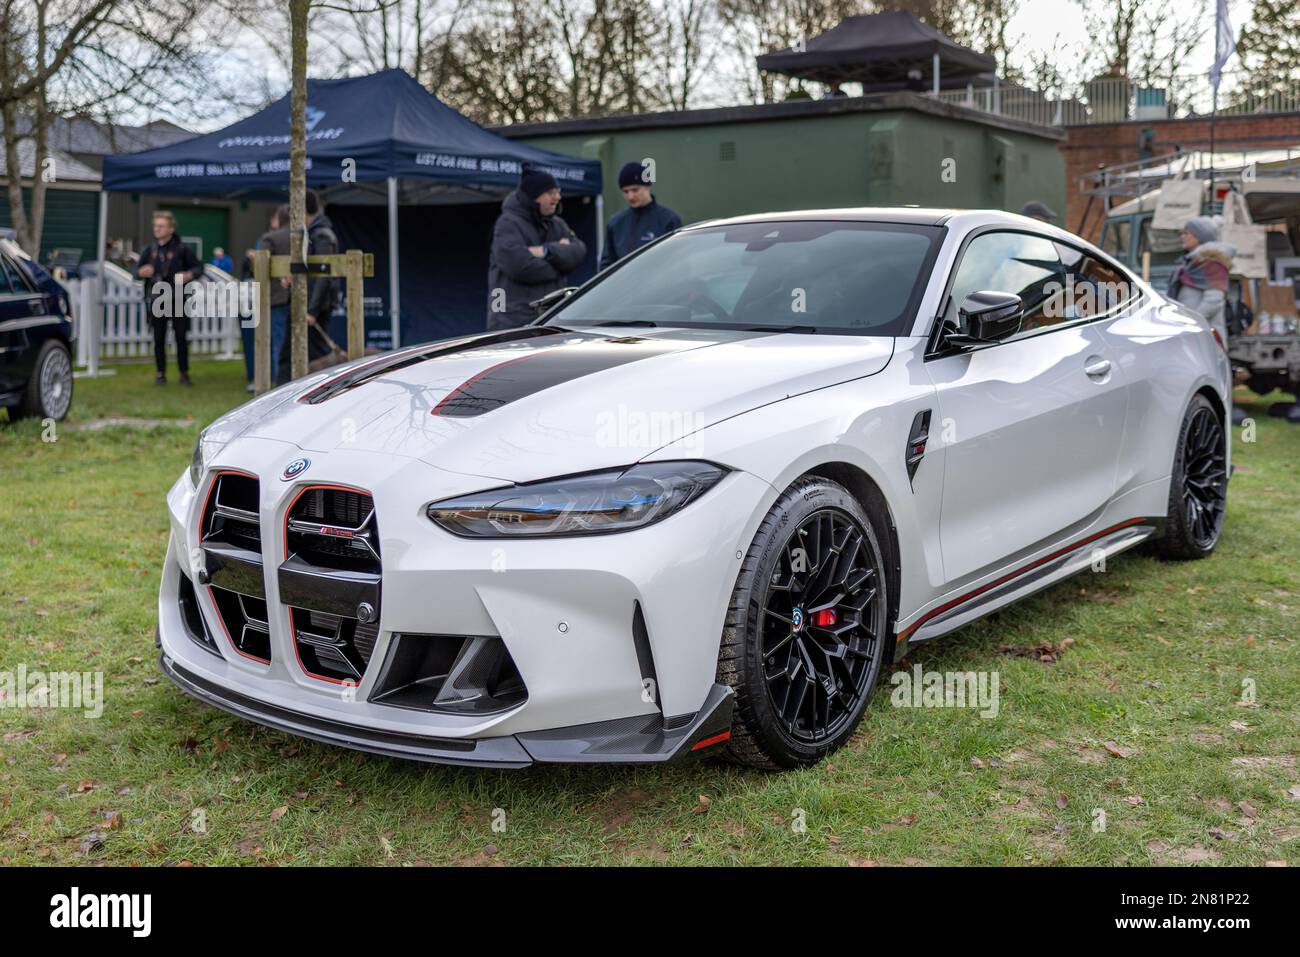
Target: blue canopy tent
373,142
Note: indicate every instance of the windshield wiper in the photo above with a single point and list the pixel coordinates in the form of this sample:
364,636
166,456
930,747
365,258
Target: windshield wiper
626,322
811,330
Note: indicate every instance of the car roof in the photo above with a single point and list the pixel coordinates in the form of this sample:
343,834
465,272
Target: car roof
912,215
960,220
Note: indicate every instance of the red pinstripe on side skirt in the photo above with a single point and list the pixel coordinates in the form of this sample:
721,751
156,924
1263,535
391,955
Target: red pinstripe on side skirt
903,635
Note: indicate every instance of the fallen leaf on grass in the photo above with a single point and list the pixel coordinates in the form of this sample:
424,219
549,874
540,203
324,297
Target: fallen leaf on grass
1117,751
249,847
703,806
976,763
1044,651
1239,726
91,842
279,812
1247,808
1062,801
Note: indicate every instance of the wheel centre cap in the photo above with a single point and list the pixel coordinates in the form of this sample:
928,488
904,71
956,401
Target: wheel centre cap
797,619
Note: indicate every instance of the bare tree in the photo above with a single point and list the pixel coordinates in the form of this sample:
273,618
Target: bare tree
686,49
755,27
99,60
298,15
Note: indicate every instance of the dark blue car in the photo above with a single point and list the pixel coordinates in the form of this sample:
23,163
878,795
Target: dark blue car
35,340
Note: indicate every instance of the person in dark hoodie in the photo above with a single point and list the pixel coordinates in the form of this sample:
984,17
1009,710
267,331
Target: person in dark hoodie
643,220
533,249
322,291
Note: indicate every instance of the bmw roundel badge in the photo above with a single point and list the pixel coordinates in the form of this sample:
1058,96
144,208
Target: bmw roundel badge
294,469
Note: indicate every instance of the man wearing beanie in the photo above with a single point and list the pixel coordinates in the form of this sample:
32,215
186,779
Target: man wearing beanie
643,220
533,249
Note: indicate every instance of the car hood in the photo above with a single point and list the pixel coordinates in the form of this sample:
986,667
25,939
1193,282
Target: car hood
543,401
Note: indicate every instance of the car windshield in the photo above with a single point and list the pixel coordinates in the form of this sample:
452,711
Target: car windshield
835,276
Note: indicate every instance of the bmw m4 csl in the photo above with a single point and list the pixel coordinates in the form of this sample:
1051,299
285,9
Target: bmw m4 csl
700,504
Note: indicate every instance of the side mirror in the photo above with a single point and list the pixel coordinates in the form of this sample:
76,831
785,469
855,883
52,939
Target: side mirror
988,317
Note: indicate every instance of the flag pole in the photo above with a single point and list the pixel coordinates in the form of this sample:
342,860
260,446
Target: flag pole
1214,111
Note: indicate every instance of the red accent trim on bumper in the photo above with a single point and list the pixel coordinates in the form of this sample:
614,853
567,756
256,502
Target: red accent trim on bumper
706,742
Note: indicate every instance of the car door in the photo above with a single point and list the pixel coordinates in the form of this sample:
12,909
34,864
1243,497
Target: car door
1030,427
16,313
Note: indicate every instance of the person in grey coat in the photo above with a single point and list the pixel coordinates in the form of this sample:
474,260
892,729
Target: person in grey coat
533,250
1200,281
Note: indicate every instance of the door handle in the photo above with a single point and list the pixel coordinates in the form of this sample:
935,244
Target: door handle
1097,368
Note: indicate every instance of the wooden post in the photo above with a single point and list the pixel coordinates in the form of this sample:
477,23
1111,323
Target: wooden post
263,374
356,305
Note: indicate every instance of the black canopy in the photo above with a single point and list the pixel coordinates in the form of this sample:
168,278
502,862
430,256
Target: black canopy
878,49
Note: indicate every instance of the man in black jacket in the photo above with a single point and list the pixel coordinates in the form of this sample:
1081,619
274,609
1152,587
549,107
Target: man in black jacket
533,249
643,220
165,266
322,291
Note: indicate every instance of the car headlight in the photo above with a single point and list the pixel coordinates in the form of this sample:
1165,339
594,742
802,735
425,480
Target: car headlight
613,501
196,461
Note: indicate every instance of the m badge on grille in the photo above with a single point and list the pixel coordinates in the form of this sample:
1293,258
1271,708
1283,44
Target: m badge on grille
294,469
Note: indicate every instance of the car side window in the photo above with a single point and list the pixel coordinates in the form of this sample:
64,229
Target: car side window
1091,287
1020,263
7,277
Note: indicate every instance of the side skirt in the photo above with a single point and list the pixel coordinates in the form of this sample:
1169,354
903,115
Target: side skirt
1023,582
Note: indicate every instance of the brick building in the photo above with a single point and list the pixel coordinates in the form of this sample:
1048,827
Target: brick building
1087,147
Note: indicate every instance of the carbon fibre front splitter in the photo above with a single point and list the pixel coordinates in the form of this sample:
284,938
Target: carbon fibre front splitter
640,739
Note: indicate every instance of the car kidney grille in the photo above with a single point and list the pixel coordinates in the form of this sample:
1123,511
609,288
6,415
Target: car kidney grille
231,537
330,579
245,621
232,512
333,646
334,528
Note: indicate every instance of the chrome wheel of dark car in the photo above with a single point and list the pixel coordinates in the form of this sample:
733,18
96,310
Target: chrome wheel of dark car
56,383
821,626
1205,478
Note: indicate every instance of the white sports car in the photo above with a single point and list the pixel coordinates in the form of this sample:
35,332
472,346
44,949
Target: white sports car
699,505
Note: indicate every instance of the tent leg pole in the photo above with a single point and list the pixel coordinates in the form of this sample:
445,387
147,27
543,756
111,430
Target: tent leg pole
600,228
934,73
94,320
394,278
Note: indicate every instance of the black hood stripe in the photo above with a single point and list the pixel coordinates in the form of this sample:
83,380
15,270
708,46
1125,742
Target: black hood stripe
526,375
393,361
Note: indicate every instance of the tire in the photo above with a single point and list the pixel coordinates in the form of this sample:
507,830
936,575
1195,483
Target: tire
1198,485
767,657
49,390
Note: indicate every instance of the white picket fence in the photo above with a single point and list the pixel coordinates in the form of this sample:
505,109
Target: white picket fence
114,325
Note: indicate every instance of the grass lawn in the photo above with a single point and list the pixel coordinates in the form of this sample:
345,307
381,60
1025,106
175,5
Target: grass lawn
1139,721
